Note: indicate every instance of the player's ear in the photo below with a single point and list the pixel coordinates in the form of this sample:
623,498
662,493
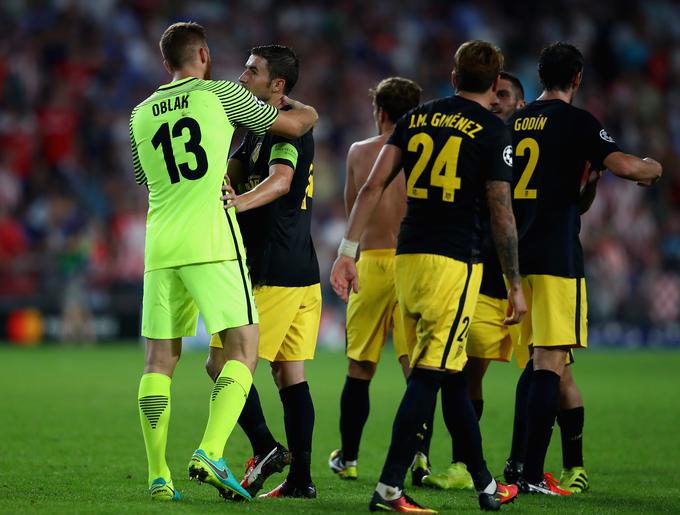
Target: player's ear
203,54
167,67
454,79
278,86
520,104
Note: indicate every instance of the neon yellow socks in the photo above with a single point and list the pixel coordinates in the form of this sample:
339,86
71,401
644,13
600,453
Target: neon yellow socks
226,403
154,414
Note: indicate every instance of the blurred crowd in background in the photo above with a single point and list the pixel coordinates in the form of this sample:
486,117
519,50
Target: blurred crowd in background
72,219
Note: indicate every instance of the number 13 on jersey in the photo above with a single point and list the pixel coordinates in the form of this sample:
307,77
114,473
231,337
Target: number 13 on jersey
443,170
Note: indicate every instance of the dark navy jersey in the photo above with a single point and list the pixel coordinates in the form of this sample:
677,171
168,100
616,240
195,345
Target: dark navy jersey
450,148
277,236
555,144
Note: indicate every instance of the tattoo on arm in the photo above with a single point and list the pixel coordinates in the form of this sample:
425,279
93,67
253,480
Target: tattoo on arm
503,227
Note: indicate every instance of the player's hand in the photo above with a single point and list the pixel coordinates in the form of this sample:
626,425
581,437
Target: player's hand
649,182
517,306
286,101
229,197
344,274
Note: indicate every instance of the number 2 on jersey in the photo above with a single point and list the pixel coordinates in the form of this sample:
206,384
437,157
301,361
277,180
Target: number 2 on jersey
444,168
521,190
192,146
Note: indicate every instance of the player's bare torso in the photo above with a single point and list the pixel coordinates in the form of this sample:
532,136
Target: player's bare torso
383,228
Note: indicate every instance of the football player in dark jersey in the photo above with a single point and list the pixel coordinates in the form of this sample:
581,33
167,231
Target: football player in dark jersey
273,177
454,153
489,338
554,142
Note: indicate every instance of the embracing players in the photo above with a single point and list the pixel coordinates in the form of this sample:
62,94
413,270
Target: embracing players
180,138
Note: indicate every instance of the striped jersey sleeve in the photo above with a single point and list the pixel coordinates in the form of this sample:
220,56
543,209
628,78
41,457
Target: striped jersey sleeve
242,108
140,176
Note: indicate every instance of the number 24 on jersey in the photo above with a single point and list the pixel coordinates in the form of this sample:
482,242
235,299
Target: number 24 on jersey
443,170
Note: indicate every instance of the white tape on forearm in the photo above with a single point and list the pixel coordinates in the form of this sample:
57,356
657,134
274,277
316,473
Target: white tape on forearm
348,248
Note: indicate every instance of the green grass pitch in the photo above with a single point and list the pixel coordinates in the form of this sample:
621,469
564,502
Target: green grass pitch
70,440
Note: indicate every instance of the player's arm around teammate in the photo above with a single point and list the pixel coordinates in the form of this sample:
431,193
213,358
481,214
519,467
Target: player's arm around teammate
295,122
645,171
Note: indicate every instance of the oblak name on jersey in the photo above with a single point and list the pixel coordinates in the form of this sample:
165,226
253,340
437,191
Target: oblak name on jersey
170,104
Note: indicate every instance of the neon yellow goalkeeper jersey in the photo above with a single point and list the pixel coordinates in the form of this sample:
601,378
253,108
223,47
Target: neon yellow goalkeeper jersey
180,140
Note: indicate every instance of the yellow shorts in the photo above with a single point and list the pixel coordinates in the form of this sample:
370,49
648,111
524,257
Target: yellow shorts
557,312
437,296
221,291
289,322
372,311
489,338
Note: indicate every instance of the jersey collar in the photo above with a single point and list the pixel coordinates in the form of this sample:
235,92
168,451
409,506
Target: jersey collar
177,83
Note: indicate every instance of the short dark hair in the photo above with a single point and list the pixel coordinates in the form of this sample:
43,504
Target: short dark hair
477,64
282,63
396,96
178,42
558,64
516,84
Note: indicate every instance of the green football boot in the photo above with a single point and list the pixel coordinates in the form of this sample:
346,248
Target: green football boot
574,480
456,477
217,474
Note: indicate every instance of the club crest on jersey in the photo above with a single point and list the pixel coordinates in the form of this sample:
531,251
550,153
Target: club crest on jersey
255,153
507,155
605,136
